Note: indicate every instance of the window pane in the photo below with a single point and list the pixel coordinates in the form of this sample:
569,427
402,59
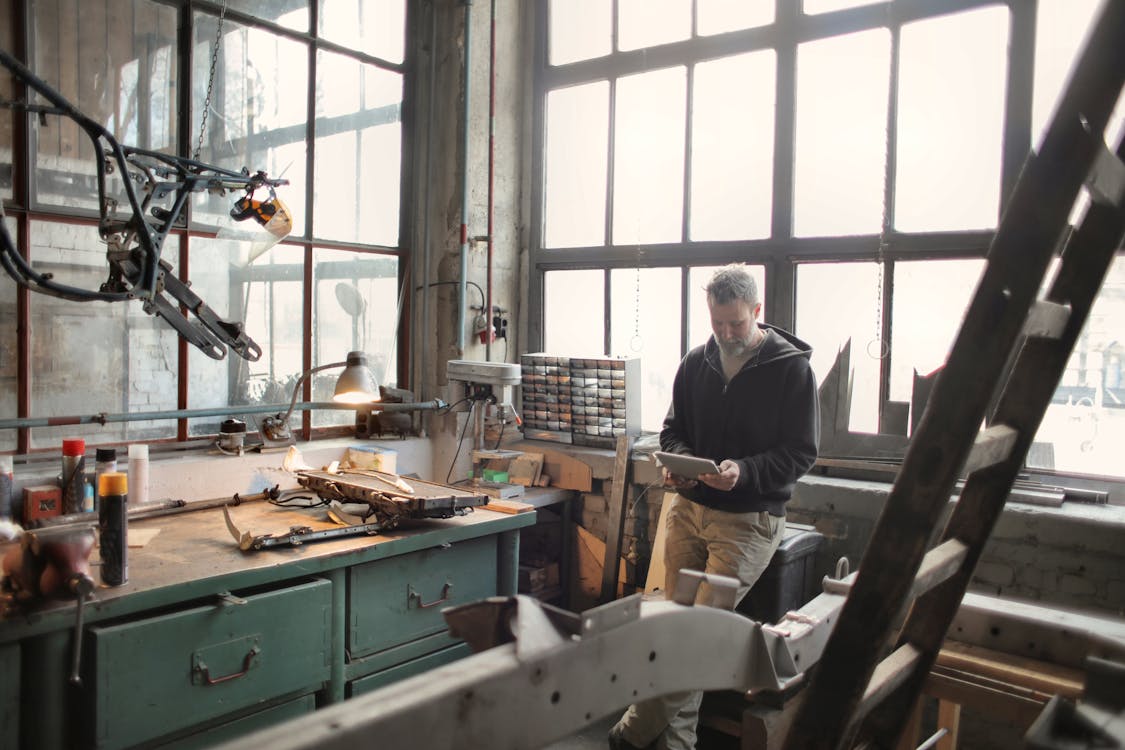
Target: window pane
9,376
292,14
1084,427
648,190
579,30
574,313
841,135
1060,29
89,358
358,152
355,308
645,312
812,7
647,23
257,118
732,147
930,300
377,27
575,169
838,302
264,291
123,81
7,117
699,315
951,112
718,16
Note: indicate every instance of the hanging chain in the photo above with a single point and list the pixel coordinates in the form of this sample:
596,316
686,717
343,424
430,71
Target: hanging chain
211,80
637,342
878,348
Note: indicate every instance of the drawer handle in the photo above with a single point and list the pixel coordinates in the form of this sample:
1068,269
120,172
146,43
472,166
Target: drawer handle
205,672
413,595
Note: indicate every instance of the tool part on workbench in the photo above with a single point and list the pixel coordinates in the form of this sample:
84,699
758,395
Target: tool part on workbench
73,475
113,526
296,536
105,460
424,499
138,475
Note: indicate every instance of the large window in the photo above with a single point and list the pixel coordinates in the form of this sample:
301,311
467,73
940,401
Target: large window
857,154
266,94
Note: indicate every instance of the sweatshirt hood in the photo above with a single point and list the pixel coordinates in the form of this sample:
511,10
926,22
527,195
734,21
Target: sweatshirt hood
778,344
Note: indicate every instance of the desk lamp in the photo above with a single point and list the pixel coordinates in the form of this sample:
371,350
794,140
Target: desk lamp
356,385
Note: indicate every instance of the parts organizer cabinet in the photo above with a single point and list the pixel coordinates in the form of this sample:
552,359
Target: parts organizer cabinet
205,643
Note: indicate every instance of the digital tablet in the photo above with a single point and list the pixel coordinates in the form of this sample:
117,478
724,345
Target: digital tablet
686,466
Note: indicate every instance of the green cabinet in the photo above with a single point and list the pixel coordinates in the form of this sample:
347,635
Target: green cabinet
10,695
157,675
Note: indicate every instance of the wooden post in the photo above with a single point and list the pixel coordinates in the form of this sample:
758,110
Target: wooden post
615,527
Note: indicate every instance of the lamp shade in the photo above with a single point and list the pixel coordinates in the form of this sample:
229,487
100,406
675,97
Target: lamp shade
356,384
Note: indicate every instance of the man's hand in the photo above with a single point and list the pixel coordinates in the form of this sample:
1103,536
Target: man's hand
675,481
726,479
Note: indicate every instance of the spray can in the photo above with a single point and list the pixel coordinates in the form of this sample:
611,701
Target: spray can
73,475
138,474
113,527
105,460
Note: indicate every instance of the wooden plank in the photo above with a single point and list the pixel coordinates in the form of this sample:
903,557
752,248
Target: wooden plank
567,472
508,506
590,557
938,565
656,571
615,526
992,446
949,719
1017,670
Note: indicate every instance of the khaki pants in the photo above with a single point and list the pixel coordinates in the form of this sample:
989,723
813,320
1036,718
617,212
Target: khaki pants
738,545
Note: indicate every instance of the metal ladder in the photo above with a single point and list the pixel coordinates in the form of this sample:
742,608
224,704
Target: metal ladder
863,689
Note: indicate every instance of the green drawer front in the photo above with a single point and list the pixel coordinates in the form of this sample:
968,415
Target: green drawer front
396,600
10,695
162,674
306,704
409,669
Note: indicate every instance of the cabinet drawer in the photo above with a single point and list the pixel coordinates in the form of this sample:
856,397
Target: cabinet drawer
409,669
212,736
399,599
154,676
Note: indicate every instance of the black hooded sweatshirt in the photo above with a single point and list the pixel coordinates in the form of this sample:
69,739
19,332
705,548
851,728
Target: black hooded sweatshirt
766,418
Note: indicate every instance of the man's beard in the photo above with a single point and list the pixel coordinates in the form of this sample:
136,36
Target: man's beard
737,347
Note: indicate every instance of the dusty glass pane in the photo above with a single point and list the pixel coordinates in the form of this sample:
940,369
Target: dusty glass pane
9,380
88,358
951,115
264,291
575,160
578,30
1084,427
699,316
574,313
647,23
116,63
841,135
355,308
645,312
358,152
257,114
930,300
377,27
1060,27
292,14
732,147
718,16
838,302
812,7
7,117
648,189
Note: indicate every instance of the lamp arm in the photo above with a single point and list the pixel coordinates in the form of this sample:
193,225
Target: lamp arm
297,386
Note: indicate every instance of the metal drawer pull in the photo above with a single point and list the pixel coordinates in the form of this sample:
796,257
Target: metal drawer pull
246,664
413,595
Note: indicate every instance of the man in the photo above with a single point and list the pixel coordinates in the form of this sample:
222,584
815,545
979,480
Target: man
746,399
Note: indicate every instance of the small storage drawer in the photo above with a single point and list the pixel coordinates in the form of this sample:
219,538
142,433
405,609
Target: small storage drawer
408,669
244,725
154,676
397,600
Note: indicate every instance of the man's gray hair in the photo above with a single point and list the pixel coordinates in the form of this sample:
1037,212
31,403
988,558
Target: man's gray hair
731,284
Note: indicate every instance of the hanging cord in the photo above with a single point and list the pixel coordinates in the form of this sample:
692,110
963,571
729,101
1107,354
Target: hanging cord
211,80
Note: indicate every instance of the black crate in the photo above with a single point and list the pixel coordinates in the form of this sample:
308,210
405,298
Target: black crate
790,580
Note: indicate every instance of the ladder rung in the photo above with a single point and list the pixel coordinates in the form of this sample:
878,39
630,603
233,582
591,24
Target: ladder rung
938,565
1107,179
992,446
888,675
1046,319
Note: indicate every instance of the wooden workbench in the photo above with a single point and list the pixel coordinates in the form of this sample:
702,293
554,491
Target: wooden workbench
214,641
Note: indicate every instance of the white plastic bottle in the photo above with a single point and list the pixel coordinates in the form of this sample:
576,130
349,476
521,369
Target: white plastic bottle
138,475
